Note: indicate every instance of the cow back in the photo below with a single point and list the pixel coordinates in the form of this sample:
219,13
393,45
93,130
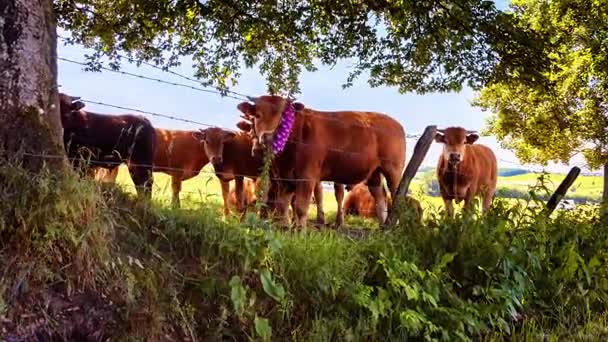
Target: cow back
178,153
345,147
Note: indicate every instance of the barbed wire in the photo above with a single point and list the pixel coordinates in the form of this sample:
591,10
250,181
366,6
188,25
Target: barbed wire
164,69
242,97
216,92
172,117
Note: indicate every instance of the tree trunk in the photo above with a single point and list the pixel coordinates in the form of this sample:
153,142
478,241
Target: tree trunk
29,114
605,194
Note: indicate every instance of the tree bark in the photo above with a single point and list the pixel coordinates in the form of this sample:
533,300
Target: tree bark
605,194
29,114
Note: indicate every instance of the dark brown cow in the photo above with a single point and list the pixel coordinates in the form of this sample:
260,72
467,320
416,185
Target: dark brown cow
178,154
345,147
109,140
465,170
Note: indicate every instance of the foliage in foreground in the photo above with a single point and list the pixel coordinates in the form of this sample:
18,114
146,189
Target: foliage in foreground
77,259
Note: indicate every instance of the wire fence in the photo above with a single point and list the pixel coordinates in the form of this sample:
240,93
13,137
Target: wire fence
201,87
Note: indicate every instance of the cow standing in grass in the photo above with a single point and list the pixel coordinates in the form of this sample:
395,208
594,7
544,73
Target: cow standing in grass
178,154
100,140
344,147
465,169
273,191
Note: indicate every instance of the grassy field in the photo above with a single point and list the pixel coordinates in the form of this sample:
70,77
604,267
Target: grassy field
205,188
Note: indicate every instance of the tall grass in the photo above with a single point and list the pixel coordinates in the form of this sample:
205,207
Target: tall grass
80,259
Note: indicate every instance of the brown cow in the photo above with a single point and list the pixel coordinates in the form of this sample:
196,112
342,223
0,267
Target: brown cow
231,155
465,170
178,154
271,199
108,140
344,147
360,202
318,191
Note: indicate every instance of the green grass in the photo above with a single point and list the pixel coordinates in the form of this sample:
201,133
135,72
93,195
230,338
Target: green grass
88,259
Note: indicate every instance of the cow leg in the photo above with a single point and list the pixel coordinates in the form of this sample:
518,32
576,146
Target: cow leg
176,187
225,192
339,192
143,179
283,200
303,194
239,192
449,207
319,203
487,200
374,184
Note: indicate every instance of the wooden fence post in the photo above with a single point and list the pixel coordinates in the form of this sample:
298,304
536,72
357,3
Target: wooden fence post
420,150
561,190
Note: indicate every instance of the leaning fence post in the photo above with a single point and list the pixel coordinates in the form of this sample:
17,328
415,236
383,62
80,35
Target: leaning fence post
420,150
562,189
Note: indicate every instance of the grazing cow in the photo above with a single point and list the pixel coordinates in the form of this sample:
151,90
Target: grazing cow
108,141
257,149
177,154
465,169
360,202
344,147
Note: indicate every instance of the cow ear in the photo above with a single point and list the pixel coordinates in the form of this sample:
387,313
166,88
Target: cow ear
78,105
440,138
244,126
471,138
247,108
199,135
298,106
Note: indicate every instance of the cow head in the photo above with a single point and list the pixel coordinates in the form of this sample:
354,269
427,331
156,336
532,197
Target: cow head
213,140
265,112
454,140
73,120
247,127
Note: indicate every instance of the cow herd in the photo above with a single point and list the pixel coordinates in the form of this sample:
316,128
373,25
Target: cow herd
352,149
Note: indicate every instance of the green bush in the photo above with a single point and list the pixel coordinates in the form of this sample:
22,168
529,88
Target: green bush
150,272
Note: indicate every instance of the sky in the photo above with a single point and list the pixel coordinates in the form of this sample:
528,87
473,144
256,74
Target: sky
320,90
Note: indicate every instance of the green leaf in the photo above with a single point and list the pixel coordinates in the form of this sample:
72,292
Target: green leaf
276,291
262,328
238,295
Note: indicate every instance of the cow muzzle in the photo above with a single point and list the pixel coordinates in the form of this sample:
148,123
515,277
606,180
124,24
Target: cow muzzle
454,158
216,160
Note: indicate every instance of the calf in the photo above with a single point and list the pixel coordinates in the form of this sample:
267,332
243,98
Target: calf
344,147
109,140
465,170
178,154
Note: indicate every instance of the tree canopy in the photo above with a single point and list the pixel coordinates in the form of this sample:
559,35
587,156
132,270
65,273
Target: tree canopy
565,114
414,45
